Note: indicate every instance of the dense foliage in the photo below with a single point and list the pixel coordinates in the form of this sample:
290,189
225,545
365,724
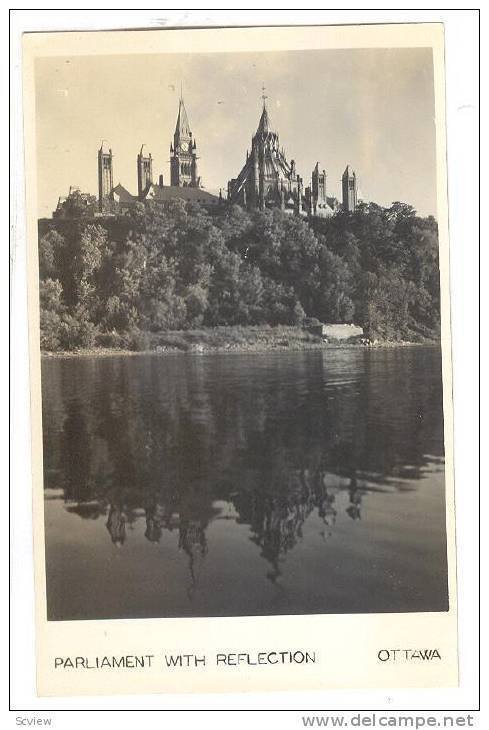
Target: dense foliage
178,267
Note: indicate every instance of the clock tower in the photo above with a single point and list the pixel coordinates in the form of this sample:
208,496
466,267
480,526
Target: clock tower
183,153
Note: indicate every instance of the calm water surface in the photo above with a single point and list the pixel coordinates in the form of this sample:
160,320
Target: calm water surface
264,484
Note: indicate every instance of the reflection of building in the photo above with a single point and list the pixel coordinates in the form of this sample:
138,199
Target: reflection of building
192,540
356,496
116,525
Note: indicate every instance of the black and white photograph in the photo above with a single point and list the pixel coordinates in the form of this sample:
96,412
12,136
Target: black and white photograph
240,328
240,358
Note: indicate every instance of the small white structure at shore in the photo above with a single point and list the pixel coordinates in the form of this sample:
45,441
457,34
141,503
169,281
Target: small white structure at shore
336,331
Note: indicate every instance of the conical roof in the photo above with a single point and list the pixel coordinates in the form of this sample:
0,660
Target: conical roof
264,124
182,128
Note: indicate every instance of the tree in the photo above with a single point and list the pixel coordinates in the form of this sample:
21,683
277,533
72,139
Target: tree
335,288
173,265
50,246
51,311
76,205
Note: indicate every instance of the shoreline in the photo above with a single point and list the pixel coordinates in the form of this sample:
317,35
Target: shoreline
254,349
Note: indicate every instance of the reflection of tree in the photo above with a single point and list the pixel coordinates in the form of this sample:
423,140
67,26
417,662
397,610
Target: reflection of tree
87,510
165,438
76,450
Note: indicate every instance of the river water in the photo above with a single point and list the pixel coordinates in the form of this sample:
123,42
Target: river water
244,484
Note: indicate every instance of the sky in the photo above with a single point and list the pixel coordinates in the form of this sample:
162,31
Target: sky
370,108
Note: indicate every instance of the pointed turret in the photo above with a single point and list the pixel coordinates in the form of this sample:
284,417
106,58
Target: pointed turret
264,124
267,179
182,128
183,161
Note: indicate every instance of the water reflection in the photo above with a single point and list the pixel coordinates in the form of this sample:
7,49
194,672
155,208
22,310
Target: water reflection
179,443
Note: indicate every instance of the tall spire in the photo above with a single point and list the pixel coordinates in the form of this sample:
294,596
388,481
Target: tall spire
182,128
183,162
264,123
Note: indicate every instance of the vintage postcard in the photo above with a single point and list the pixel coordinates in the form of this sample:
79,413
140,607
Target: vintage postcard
240,359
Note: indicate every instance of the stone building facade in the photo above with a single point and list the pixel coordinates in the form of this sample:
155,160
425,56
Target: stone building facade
144,171
183,153
105,172
269,180
349,190
185,181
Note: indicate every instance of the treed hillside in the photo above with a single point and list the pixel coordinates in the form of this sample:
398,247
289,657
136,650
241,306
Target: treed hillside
173,266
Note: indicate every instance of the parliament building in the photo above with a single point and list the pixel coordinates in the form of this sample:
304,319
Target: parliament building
267,179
